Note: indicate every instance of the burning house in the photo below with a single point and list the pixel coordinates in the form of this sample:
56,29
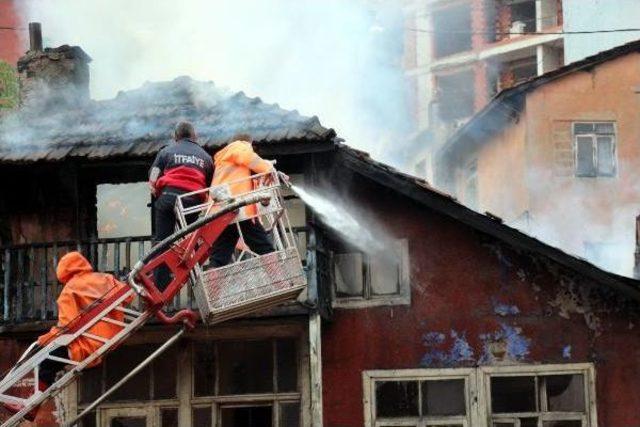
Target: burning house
419,311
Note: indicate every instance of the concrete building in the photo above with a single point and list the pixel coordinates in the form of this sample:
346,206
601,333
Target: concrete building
558,157
459,54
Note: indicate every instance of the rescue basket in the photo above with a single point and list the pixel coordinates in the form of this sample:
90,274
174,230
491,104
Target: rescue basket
250,282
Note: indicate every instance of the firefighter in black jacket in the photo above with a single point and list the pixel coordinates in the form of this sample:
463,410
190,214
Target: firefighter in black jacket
179,168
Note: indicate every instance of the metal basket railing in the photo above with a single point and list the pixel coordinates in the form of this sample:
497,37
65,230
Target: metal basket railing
250,282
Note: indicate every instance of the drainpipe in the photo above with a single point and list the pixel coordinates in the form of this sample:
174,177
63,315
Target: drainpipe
636,264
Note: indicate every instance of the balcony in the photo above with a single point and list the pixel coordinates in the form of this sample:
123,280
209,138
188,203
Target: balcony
29,287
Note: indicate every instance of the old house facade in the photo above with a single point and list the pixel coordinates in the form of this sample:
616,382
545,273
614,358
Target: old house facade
563,142
463,322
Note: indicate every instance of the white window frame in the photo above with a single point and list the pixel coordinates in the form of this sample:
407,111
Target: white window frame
369,379
477,386
403,297
594,142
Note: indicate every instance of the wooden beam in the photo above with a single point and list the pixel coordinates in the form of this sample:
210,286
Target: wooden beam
315,368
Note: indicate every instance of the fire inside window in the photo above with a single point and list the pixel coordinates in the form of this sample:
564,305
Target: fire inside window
595,148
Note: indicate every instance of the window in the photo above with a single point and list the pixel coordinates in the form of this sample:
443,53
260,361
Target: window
122,210
451,30
455,95
361,279
504,396
419,397
252,382
595,149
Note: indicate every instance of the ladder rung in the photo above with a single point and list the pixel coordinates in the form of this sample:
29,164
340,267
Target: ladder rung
114,321
129,311
95,337
63,360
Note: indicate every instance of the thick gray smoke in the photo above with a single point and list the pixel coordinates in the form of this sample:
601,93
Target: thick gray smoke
339,60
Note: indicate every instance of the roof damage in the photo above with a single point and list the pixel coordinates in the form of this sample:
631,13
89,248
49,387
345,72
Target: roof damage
139,122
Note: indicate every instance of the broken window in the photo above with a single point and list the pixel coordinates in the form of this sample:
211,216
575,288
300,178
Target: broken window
371,278
451,30
516,396
595,145
252,382
557,397
122,210
455,95
419,401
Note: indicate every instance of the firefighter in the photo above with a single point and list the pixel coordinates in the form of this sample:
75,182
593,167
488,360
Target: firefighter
82,287
179,168
236,161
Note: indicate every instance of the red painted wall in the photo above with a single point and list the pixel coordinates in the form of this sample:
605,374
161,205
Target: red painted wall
12,45
468,287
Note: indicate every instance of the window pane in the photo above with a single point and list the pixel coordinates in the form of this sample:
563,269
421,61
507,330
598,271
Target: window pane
88,420
245,367
528,422
565,393
204,369
169,417
256,416
128,422
165,375
90,384
443,398
384,270
513,394
201,417
287,365
572,423
581,128
396,398
289,415
348,274
502,424
604,128
585,166
121,362
606,159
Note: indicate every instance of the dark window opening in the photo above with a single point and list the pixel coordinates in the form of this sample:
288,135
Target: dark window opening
523,16
451,30
455,95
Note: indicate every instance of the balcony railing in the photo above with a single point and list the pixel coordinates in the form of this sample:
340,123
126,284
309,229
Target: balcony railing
29,287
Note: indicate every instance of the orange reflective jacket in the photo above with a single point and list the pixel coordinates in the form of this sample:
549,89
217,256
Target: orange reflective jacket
82,287
238,161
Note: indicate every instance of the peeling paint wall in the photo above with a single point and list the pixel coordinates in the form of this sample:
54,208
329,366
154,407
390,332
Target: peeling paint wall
475,302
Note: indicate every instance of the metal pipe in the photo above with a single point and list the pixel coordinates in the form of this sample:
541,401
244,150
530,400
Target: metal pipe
126,378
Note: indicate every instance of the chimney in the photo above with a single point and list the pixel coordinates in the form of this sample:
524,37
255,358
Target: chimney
52,76
35,37
636,264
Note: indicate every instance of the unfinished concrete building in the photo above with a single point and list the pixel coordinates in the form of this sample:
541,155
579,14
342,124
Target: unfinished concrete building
460,53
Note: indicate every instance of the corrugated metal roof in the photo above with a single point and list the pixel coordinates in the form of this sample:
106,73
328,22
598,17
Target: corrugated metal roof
141,121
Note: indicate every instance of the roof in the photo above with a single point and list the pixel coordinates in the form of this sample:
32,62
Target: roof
140,122
422,192
510,102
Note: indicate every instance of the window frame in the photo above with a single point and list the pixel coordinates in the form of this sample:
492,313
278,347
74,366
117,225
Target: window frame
478,389
594,148
369,379
403,297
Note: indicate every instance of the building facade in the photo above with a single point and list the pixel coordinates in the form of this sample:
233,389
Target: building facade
557,157
459,54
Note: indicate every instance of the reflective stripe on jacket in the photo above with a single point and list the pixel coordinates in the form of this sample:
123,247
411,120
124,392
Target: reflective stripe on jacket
238,161
82,287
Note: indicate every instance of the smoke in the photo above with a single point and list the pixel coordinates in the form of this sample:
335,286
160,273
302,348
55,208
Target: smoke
339,60
350,224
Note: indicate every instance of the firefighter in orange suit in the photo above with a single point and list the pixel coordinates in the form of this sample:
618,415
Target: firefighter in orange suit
82,287
237,161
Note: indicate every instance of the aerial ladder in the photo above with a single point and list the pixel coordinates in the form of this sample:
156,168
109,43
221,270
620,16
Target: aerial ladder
250,283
